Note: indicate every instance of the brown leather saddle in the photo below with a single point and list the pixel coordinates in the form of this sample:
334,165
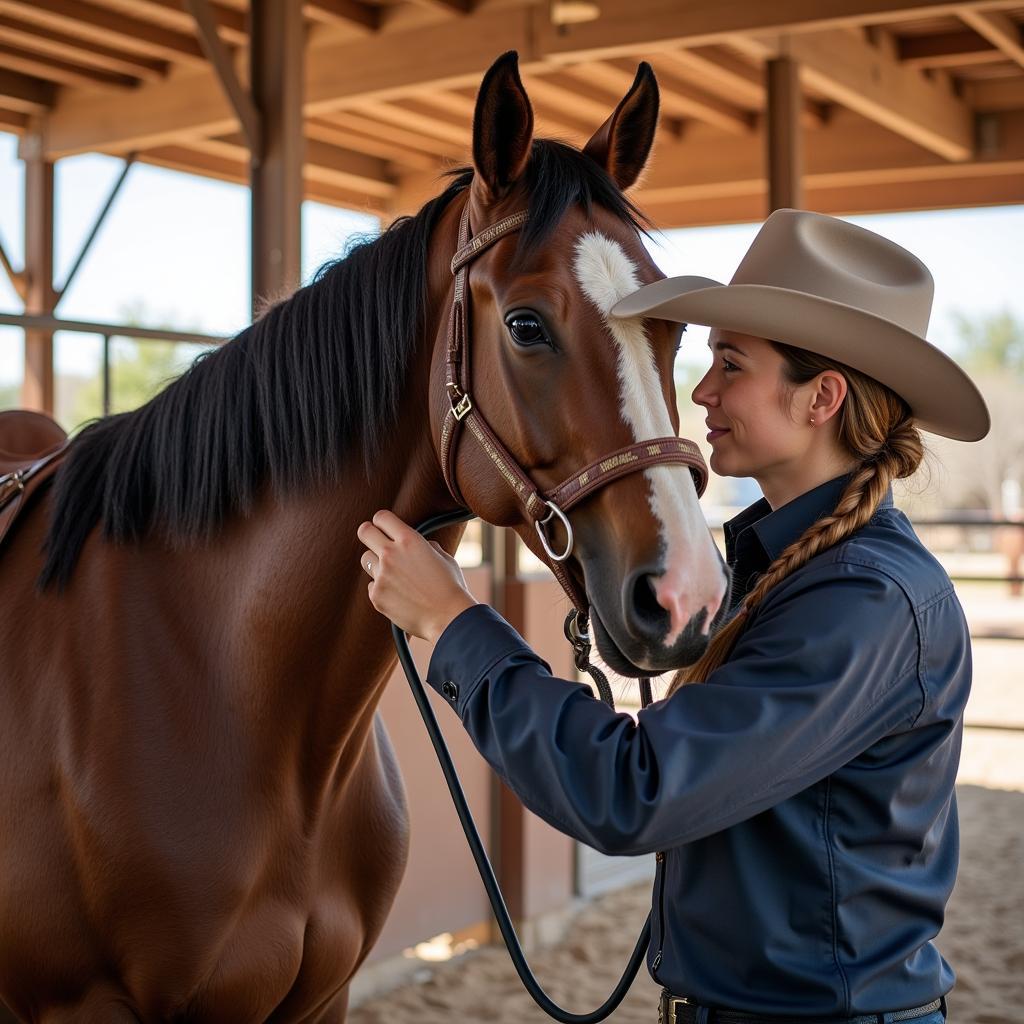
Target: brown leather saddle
32,446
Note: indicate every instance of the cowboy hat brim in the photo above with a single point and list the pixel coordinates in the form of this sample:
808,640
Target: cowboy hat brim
943,399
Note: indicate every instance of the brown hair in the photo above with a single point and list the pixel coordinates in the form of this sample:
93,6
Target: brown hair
876,428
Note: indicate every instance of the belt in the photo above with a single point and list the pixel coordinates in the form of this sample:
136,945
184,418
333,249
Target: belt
682,1010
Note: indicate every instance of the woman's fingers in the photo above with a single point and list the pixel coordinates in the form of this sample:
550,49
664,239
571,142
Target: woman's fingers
390,525
373,537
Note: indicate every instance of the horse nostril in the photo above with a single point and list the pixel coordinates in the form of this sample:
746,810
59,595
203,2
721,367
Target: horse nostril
647,612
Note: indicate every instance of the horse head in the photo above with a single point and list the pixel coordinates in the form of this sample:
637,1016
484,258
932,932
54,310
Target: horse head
561,383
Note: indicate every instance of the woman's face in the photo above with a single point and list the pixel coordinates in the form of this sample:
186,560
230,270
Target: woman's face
754,423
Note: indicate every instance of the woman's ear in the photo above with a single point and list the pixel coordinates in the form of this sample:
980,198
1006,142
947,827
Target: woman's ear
502,128
830,389
623,143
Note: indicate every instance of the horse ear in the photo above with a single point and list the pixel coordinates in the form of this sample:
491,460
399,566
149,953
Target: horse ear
623,143
502,127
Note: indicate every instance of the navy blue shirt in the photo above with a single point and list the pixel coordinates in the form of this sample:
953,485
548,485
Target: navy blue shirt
803,796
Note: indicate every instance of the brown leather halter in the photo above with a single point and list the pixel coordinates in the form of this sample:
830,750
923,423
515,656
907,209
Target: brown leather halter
540,506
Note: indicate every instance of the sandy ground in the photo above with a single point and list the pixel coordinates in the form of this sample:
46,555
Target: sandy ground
983,936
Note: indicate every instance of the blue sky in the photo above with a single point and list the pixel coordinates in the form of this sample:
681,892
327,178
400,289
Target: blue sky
178,247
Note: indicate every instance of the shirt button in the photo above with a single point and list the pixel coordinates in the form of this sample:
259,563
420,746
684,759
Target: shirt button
450,690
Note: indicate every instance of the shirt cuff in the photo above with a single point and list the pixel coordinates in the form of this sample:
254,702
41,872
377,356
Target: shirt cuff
470,646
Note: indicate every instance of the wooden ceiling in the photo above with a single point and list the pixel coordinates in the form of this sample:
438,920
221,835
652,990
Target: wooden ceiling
907,104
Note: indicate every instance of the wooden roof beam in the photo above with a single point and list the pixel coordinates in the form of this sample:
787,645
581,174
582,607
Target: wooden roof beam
351,13
62,45
392,134
870,80
947,49
103,25
54,69
232,25
999,29
626,26
26,94
451,7
849,152
576,101
388,64
733,76
682,99
12,121
237,94
357,172
357,141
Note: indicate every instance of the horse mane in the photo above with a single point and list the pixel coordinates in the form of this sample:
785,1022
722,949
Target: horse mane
288,399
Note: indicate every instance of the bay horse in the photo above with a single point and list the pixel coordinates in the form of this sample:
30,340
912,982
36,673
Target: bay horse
202,817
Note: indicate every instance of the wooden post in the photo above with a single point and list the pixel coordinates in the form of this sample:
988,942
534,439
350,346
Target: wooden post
782,134
507,839
38,391
276,77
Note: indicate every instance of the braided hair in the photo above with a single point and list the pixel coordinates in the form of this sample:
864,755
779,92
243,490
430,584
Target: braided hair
876,428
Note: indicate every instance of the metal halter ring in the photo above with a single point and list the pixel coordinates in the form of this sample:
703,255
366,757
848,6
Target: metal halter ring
555,511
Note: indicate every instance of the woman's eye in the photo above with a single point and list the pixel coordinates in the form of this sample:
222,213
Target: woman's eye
526,329
728,367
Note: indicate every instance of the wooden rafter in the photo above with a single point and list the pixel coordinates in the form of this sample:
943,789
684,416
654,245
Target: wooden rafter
995,94
728,75
232,25
89,21
26,94
587,103
447,6
682,99
56,69
999,29
849,152
346,12
947,49
90,54
869,79
12,121
237,94
415,141
357,141
626,26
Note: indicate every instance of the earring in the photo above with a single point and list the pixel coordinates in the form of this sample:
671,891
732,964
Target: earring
812,421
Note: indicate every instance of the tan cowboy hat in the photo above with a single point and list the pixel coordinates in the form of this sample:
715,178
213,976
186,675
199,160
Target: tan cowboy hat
825,285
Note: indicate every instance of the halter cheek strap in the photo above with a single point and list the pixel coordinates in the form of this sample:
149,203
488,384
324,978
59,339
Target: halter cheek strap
541,507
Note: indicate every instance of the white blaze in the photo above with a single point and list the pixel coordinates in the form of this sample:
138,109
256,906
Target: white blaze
693,576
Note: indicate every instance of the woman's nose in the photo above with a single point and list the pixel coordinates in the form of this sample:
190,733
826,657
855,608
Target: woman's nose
703,394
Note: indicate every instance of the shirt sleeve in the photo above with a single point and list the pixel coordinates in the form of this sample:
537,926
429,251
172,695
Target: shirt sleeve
826,667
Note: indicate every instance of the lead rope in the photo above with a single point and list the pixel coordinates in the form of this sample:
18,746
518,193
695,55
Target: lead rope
476,846
578,634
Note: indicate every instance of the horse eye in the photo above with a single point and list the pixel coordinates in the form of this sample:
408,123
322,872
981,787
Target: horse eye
526,328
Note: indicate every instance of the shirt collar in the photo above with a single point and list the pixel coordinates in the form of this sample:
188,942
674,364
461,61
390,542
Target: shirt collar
777,530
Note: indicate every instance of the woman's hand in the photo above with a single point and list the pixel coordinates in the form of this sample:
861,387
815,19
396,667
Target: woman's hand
414,582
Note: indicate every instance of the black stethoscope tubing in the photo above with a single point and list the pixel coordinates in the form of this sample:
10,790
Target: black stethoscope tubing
497,901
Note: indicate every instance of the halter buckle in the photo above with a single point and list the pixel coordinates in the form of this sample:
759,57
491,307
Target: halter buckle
555,511
462,407
11,484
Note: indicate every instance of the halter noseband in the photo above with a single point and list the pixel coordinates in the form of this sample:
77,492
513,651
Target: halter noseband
541,506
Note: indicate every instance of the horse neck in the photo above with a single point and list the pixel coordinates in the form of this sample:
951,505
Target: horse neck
323,663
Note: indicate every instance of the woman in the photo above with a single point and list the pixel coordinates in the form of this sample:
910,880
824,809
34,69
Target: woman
802,796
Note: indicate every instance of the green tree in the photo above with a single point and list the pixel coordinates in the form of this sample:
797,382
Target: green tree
993,343
139,369
991,349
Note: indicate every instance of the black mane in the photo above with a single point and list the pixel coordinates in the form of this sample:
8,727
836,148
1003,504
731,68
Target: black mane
291,395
